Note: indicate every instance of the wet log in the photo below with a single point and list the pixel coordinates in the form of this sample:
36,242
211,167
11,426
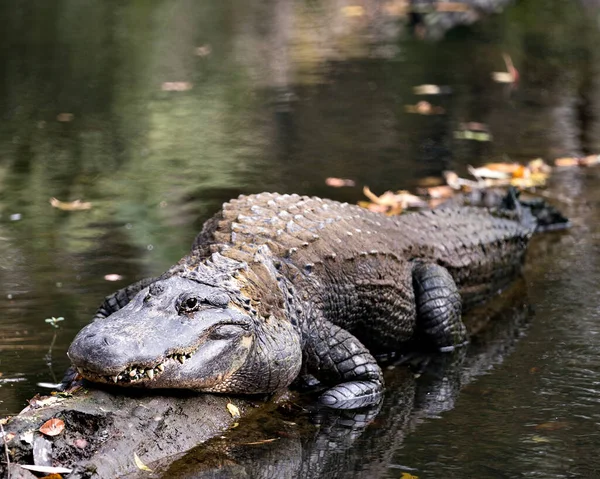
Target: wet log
106,430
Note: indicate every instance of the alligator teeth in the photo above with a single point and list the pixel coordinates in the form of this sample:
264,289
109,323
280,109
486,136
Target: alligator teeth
133,372
160,367
150,373
181,358
115,378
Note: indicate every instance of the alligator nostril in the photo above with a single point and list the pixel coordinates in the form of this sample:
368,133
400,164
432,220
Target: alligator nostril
107,340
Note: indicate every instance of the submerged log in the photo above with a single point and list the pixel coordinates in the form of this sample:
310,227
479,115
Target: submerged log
123,432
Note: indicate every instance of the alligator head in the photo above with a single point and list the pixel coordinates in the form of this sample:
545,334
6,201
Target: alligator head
182,333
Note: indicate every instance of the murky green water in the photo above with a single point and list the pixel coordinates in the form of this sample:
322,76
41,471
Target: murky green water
277,95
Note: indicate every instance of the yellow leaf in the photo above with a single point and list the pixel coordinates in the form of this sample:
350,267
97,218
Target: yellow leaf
427,90
353,11
233,410
539,439
408,475
70,205
140,465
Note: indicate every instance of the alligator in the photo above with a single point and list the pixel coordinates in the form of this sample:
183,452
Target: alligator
279,287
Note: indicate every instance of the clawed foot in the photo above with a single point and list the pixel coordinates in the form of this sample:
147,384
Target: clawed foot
352,395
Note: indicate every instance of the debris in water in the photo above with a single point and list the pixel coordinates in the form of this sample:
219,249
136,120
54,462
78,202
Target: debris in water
113,277
339,182
76,205
233,410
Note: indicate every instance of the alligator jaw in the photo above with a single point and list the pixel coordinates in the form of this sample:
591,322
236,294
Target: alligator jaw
137,373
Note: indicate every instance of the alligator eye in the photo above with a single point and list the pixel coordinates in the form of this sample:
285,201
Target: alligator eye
189,305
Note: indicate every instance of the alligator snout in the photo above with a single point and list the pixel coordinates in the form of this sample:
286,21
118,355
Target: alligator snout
105,352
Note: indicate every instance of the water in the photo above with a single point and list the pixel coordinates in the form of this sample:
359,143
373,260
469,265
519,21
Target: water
279,96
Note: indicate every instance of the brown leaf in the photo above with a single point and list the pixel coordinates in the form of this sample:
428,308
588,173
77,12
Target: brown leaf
76,205
552,426
567,161
452,7
424,108
437,192
176,86
353,11
590,160
203,50
52,427
65,117
53,476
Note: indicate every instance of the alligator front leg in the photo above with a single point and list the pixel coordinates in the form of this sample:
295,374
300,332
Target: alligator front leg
336,356
439,307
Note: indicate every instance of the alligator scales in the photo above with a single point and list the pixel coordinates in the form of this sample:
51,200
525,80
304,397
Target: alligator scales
281,285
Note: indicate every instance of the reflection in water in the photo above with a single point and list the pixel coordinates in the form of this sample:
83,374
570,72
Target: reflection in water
329,443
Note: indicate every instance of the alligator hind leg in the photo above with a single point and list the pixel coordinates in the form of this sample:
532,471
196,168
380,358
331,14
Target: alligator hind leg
438,307
337,357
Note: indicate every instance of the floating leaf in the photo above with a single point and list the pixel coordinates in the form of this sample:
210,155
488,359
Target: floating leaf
353,11
203,50
452,7
424,108
391,203
76,205
430,89
140,465
408,475
65,117
53,476
52,427
552,426
484,172
589,160
264,441
442,191
509,76
339,182
176,86
472,135
113,277
233,410
540,439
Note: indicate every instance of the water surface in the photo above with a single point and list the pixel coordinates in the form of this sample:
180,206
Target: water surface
275,95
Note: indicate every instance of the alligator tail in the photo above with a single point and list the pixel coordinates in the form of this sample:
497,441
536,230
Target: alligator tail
535,213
